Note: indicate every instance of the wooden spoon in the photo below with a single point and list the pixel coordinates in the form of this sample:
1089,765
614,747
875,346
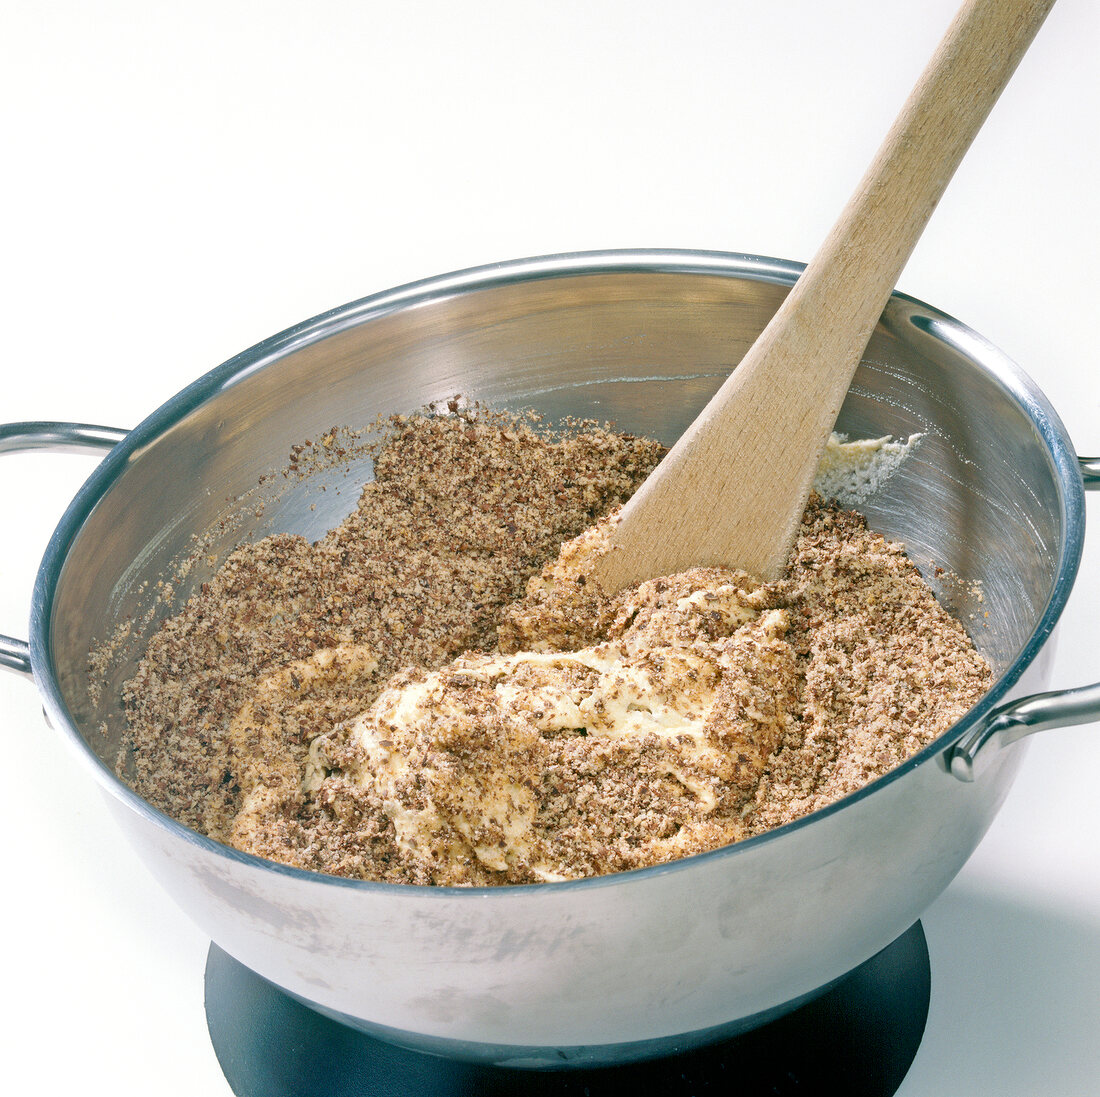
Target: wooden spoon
733,488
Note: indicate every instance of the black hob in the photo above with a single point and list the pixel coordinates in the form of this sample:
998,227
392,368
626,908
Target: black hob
857,1039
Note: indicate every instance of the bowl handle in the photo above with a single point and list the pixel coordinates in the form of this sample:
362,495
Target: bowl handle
1090,472
1040,711
60,437
1014,720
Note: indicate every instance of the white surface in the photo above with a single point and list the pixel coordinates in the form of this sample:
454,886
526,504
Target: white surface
183,180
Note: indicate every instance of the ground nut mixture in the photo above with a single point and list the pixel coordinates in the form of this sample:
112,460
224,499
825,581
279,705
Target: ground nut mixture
439,692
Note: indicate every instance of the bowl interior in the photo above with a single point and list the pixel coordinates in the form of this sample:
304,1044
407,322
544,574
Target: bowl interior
981,502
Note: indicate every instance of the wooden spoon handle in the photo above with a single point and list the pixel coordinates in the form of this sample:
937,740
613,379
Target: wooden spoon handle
733,489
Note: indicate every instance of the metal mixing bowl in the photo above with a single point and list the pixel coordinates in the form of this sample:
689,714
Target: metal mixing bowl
626,966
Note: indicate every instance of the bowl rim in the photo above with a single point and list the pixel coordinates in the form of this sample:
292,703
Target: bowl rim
1010,377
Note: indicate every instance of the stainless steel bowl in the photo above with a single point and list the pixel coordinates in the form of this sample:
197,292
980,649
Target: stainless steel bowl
621,967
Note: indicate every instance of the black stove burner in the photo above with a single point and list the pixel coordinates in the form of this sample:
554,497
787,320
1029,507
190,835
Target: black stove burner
858,1039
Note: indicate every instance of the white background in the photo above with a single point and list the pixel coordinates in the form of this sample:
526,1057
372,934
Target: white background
182,180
